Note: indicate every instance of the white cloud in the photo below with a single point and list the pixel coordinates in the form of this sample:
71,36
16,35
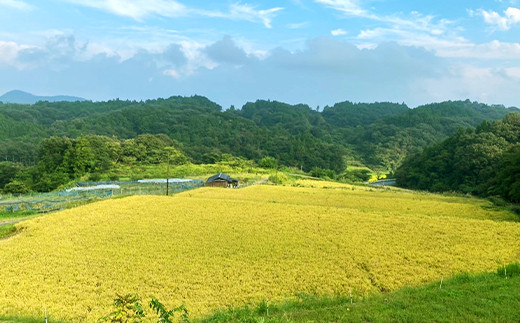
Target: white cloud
448,46
136,9
16,4
483,84
9,52
324,72
338,32
493,18
141,9
350,7
511,17
443,45
513,14
414,29
245,12
196,59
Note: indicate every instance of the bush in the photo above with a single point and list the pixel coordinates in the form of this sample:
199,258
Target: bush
278,178
95,177
357,175
16,187
128,308
323,173
113,177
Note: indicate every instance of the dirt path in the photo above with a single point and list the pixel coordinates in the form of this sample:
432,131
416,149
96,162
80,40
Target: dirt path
10,222
262,181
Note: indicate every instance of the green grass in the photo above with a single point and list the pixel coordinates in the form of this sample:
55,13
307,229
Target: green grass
7,230
485,297
6,215
8,218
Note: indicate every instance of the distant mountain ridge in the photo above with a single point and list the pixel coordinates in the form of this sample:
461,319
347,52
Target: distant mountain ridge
21,97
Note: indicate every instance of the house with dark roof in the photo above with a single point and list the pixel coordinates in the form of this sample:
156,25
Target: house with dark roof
222,180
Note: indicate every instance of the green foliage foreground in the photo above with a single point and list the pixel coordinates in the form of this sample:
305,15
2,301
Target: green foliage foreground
463,298
128,308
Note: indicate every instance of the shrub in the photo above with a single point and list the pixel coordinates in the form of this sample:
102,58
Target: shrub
95,177
16,187
357,175
278,178
323,173
128,308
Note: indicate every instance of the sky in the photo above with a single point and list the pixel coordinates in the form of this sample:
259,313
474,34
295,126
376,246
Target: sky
316,52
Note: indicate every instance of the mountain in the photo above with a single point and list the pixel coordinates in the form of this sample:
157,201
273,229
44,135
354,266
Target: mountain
22,97
379,135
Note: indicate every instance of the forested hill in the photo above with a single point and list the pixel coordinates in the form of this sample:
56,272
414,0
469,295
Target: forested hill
376,134
483,161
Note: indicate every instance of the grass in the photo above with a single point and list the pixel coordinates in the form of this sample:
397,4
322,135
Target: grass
7,220
7,230
7,216
464,298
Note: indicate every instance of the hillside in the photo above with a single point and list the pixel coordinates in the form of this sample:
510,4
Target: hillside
213,248
379,135
484,161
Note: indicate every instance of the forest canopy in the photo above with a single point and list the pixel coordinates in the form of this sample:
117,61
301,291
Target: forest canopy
484,161
62,141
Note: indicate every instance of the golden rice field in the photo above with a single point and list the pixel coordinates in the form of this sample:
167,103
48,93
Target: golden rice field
211,248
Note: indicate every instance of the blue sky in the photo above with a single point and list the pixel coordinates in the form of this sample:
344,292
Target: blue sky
298,51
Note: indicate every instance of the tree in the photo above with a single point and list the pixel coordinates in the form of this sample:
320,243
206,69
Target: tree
78,158
16,187
482,162
8,172
507,181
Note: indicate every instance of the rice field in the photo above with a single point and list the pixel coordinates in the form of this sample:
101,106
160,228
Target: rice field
211,248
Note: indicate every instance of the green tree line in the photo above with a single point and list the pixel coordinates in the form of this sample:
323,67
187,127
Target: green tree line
484,161
378,135
62,159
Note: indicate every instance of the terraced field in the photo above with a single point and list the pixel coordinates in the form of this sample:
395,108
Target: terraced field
211,248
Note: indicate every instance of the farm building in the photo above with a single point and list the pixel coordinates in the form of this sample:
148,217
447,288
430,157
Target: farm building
222,180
